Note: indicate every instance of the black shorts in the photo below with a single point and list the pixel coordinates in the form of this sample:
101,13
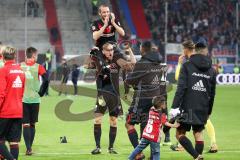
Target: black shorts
112,111
11,129
187,127
134,117
30,113
112,103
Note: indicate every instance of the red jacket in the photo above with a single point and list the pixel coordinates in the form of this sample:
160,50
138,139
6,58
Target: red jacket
153,129
12,80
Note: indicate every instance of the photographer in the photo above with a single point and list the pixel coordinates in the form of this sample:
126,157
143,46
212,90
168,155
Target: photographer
108,64
104,28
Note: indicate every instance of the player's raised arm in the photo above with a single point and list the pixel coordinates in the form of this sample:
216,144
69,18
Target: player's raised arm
117,25
98,33
127,65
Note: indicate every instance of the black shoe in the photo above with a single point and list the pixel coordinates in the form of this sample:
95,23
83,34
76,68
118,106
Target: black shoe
96,151
63,139
176,147
167,142
112,151
213,149
28,152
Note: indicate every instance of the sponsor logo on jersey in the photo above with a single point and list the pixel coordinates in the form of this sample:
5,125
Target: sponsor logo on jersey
155,80
16,71
17,83
201,75
199,86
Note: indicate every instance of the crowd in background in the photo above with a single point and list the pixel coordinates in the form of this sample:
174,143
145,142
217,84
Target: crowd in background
212,20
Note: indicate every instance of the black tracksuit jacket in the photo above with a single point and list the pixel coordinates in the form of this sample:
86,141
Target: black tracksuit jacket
196,90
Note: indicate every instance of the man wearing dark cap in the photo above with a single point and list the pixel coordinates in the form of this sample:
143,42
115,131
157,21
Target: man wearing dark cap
194,99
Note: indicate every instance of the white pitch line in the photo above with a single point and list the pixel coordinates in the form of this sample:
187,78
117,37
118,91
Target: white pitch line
88,152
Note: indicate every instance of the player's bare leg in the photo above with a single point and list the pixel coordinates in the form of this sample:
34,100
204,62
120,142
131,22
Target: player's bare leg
211,134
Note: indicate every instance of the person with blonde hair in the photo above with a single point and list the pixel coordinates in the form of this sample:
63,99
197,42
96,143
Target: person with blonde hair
188,50
108,64
12,79
194,98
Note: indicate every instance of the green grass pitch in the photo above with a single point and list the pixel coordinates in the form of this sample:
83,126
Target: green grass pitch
47,146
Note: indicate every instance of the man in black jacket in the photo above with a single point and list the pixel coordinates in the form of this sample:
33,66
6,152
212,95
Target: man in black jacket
65,74
148,80
194,99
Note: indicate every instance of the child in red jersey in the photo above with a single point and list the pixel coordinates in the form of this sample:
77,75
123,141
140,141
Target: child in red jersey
151,133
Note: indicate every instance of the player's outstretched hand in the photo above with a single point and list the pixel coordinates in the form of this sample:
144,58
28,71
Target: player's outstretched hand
176,125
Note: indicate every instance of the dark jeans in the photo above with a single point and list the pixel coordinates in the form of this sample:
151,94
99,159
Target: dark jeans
155,149
75,86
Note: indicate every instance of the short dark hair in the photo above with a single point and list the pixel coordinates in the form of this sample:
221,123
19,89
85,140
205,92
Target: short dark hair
102,5
147,46
30,51
200,45
9,53
157,101
189,44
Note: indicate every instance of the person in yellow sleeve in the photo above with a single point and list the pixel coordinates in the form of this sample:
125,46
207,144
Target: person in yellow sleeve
1,56
188,51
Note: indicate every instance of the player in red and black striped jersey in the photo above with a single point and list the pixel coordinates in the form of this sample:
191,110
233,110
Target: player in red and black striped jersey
108,91
104,28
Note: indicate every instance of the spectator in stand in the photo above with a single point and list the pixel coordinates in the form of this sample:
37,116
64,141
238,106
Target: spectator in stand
191,19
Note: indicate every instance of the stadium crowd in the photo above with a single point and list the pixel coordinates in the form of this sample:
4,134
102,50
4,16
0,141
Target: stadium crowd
189,19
